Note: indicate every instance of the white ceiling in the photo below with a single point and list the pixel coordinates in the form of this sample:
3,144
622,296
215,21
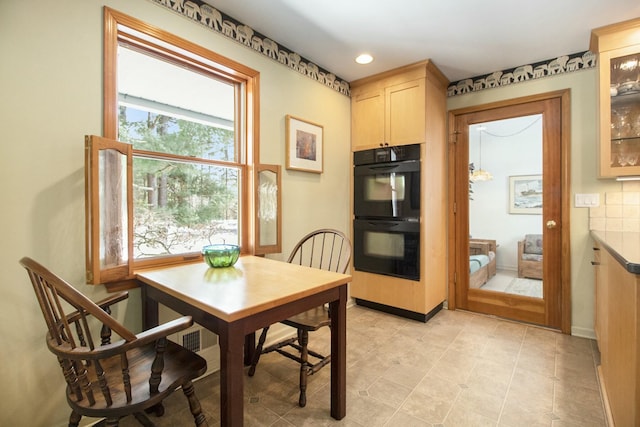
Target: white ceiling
464,38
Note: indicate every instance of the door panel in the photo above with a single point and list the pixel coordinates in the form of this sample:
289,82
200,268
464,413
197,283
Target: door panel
404,115
552,309
367,111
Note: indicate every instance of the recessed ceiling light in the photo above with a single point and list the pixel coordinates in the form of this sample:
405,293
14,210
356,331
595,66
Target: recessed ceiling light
365,58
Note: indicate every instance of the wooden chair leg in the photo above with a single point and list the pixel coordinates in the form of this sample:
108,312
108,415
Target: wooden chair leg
157,410
74,419
143,420
194,405
303,341
258,352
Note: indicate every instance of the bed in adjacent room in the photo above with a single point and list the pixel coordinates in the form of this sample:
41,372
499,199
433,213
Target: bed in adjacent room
482,261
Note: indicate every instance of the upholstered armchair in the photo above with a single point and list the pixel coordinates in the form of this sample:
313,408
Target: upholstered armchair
530,256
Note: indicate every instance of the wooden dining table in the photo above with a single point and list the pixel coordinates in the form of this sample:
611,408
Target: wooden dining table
236,301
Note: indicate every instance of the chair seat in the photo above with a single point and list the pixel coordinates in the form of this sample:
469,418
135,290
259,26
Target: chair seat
532,257
179,364
310,320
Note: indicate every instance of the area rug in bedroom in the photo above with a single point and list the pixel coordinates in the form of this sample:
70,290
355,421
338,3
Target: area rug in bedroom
526,287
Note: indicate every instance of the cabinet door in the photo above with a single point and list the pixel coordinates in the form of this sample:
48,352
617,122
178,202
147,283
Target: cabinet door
367,120
405,118
619,358
601,299
620,112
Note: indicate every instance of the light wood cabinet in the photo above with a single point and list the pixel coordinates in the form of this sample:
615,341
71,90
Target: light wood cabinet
618,49
618,333
399,107
390,108
600,274
367,119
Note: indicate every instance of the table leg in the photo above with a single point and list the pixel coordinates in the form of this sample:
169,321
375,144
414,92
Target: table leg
338,312
231,375
150,314
249,348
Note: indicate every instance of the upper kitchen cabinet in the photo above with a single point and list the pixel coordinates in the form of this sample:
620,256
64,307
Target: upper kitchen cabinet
618,48
393,108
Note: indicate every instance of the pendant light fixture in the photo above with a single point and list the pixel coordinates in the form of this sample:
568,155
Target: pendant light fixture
480,174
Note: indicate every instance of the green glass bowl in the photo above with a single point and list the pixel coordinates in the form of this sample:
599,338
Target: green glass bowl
221,255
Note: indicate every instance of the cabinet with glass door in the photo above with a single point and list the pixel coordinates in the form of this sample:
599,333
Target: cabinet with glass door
618,49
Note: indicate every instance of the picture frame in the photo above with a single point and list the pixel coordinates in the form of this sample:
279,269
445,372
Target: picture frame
304,145
525,194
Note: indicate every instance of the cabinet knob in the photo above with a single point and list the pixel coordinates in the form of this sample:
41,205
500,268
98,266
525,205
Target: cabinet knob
595,263
551,224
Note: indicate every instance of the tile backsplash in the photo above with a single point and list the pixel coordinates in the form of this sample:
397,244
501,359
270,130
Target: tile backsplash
620,211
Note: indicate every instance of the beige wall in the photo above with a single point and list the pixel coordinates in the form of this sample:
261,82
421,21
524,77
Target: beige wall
583,174
51,77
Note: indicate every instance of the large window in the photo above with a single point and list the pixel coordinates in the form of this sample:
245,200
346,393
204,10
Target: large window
173,173
187,163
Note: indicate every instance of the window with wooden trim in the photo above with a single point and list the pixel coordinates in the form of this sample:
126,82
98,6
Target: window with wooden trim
175,168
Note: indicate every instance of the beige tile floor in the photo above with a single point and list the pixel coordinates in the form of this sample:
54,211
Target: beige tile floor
458,369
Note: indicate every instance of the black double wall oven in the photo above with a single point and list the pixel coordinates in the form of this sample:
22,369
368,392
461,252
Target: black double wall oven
386,207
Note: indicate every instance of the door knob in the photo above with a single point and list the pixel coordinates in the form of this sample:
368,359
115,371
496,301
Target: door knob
551,224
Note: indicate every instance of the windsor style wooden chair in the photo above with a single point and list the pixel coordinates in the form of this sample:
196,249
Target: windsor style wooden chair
108,379
325,249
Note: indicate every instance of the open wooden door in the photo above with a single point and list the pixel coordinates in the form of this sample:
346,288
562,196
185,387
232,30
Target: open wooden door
551,305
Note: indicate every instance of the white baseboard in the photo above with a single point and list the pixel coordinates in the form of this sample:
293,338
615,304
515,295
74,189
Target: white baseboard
583,332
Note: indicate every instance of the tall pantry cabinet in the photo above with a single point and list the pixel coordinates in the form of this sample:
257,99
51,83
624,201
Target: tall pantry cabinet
400,107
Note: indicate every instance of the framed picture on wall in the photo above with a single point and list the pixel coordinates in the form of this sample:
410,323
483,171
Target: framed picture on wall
304,151
525,194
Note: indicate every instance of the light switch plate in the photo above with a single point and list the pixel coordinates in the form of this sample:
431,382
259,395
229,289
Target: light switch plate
591,200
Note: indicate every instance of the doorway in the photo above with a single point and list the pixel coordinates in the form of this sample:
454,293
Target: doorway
526,199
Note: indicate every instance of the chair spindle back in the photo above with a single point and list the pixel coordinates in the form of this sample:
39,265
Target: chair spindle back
67,313
325,249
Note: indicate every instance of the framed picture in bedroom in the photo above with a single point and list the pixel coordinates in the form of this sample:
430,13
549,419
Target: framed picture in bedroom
525,194
305,145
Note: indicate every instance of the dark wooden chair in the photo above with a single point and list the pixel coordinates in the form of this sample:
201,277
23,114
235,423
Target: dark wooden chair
325,249
112,379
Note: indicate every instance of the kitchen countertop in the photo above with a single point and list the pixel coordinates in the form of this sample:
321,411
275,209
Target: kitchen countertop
623,246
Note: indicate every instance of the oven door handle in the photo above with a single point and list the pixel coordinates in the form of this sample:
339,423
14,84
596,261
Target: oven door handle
386,224
384,168
390,225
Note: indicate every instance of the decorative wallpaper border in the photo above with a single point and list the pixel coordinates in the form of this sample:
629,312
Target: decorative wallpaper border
205,14
562,64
